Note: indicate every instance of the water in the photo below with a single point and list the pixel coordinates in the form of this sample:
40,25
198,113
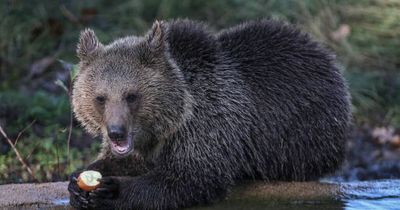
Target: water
374,195
356,195
61,202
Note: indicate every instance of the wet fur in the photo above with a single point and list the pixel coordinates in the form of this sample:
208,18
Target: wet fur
260,100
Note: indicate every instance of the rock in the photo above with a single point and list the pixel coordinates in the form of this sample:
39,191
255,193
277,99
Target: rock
55,194
44,195
378,194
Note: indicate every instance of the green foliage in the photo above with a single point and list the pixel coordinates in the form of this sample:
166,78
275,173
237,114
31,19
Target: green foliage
46,109
44,144
47,157
376,98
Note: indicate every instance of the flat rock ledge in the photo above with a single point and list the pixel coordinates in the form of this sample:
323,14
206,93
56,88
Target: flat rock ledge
55,195
33,195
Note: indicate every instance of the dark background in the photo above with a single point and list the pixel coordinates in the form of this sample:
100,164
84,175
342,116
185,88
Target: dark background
37,55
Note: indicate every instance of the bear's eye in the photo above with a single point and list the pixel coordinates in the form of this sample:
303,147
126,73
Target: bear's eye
131,98
101,100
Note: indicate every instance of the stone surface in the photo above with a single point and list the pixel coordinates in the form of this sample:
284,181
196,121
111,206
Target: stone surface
55,195
24,196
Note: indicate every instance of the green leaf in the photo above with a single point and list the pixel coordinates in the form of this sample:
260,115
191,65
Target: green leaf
62,85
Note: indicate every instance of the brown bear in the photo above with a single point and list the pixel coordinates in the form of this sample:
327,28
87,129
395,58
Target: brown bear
186,113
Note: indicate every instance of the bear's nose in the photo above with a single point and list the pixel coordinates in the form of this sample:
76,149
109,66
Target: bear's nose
116,132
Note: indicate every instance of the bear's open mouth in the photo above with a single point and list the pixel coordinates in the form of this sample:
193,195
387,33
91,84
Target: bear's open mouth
122,147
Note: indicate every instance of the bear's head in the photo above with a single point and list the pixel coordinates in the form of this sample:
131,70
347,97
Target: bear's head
131,91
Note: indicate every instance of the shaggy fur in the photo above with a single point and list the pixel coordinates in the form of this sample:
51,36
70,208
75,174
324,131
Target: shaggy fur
260,100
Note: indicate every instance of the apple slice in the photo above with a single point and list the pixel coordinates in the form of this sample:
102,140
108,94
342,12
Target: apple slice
89,180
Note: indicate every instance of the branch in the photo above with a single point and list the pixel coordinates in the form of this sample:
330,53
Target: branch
68,14
21,132
24,164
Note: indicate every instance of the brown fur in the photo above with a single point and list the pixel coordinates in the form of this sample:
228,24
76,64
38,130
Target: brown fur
260,100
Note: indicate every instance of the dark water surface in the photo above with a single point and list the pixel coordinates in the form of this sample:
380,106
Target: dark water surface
356,195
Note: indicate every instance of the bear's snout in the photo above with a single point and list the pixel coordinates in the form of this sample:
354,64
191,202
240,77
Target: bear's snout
116,133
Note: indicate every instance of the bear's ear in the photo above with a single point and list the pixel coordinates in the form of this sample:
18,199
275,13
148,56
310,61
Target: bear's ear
88,44
156,36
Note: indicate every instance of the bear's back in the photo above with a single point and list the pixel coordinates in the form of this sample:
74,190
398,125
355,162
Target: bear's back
300,97
275,90
283,67
266,47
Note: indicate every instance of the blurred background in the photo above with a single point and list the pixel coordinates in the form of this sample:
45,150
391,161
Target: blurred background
37,61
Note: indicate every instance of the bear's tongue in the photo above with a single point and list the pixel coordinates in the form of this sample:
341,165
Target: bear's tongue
121,146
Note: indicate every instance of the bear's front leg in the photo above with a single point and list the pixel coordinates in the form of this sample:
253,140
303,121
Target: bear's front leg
78,198
167,188
132,166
